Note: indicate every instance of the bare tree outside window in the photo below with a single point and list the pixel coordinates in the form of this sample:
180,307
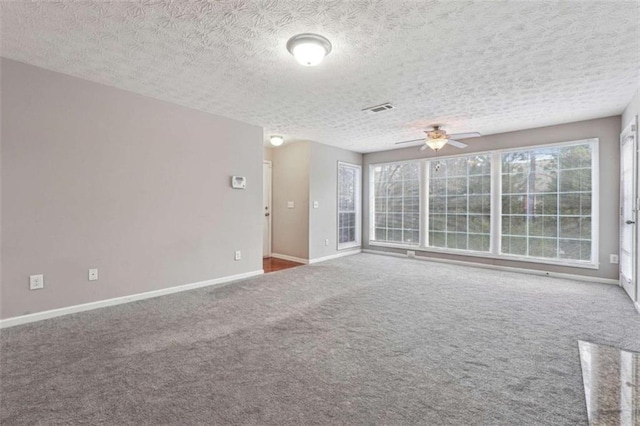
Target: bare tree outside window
546,202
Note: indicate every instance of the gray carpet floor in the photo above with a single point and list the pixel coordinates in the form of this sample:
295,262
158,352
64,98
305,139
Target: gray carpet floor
365,339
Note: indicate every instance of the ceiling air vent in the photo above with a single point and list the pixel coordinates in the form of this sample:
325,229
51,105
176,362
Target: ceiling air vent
379,108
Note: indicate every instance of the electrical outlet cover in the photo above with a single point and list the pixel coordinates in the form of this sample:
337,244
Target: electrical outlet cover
93,274
36,282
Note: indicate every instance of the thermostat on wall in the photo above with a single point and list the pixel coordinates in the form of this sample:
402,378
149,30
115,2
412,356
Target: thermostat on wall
238,182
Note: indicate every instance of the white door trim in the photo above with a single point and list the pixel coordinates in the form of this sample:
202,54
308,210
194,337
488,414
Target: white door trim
630,134
270,218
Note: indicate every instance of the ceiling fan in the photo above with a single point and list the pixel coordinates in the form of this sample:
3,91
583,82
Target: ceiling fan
438,138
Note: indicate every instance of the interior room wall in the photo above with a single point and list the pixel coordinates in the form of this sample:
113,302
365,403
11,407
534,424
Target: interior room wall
607,130
290,177
97,177
323,187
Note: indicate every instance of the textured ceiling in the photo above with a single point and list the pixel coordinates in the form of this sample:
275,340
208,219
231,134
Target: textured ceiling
487,66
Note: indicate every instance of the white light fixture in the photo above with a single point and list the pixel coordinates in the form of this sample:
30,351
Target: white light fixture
276,140
309,49
437,144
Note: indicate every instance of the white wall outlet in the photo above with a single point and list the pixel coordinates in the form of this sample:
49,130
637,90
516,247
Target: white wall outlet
316,204
237,255
93,275
613,258
326,242
36,282
411,253
290,204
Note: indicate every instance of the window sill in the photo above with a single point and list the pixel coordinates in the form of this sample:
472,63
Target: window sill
347,246
563,262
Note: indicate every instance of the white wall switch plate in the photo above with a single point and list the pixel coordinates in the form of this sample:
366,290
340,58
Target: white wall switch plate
238,182
613,258
237,255
36,282
93,275
290,204
411,253
326,242
316,204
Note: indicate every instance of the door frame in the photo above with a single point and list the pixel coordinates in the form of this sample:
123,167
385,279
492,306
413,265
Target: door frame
631,131
270,217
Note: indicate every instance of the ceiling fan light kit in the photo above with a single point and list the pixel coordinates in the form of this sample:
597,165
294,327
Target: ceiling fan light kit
437,138
437,144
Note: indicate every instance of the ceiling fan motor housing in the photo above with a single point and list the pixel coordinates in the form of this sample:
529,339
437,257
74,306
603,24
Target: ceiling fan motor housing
436,133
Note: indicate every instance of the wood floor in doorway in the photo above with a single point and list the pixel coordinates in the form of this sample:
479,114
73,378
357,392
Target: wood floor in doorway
272,264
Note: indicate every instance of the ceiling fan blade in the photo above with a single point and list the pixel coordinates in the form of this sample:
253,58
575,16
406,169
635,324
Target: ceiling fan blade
465,135
423,147
412,140
457,144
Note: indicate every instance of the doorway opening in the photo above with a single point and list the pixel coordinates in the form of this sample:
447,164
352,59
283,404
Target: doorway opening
269,263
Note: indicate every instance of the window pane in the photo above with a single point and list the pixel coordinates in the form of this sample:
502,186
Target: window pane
348,203
460,203
546,202
397,203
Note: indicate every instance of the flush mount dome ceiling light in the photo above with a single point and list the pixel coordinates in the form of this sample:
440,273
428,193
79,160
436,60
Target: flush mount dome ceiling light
276,140
309,49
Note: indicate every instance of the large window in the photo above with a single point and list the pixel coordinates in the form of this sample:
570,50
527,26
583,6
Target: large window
460,203
532,204
396,206
348,205
546,202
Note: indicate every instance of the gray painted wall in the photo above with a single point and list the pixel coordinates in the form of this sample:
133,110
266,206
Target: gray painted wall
304,172
290,227
97,177
323,187
606,129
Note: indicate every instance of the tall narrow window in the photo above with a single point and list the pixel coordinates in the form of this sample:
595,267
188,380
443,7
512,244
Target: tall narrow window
546,202
348,205
460,203
396,206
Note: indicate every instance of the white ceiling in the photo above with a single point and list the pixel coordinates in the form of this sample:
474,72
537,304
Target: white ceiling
484,66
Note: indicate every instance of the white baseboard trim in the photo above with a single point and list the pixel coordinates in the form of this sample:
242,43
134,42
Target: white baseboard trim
637,305
500,268
335,256
39,316
291,258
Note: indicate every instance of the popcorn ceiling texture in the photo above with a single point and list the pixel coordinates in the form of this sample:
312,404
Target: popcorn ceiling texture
473,66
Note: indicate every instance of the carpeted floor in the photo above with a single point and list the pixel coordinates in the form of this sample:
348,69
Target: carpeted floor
364,339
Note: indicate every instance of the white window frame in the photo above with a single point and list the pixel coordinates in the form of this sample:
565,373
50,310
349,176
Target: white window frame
358,204
496,208
372,196
425,187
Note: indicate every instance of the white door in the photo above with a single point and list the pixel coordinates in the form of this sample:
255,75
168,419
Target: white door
628,211
266,202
